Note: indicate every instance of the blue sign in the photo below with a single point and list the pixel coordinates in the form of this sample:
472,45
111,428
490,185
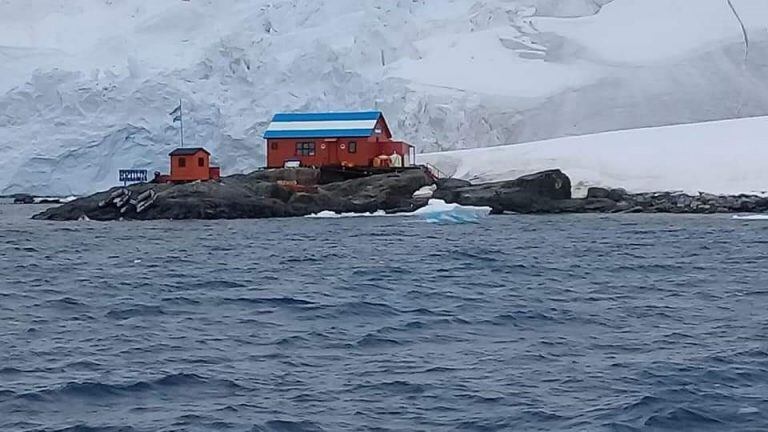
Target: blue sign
133,176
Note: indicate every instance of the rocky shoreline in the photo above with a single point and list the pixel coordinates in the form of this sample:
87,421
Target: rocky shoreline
261,194
598,200
301,192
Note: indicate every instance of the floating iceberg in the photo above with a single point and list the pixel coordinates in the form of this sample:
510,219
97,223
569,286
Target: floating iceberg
751,217
438,211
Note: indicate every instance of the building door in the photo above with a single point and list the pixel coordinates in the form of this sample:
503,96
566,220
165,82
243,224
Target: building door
323,153
332,153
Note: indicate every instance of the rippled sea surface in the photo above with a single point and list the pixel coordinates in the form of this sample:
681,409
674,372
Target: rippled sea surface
567,323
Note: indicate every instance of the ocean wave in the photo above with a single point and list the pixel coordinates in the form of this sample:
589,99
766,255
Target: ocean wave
7,395
620,427
520,316
477,256
65,302
376,341
290,341
288,426
216,284
83,365
181,300
133,311
682,418
268,301
202,422
641,405
440,369
100,390
11,371
88,428
397,387
365,309
482,398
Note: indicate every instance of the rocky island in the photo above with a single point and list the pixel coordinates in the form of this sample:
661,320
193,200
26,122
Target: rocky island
303,191
260,194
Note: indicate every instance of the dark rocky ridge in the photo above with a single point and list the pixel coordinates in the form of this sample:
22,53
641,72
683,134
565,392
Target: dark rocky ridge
23,199
535,193
261,194
297,192
539,193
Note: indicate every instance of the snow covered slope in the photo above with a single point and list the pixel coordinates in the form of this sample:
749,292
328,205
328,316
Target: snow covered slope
723,157
86,85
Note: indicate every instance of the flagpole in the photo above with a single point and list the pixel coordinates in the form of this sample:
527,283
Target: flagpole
181,118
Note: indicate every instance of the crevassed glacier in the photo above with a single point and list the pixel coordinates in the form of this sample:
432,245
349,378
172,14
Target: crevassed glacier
86,85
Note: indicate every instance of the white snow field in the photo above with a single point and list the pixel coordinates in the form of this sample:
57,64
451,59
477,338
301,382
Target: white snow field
722,157
86,85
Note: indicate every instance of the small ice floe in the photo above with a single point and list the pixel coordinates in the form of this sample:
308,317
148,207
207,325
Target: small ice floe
751,217
748,410
438,211
54,200
137,261
332,215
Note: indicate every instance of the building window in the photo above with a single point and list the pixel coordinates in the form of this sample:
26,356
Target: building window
182,162
273,145
352,148
305,149
201,162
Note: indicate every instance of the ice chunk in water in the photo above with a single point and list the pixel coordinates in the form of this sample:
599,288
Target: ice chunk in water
751,217
438,211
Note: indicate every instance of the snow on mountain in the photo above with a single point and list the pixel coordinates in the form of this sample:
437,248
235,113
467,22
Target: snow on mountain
86,85
722,157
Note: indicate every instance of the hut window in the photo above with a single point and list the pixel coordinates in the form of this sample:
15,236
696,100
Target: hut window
305,149
182,162
201,162
352,147
273,144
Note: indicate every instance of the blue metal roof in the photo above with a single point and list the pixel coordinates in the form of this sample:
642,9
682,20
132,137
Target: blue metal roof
320,133
323,125
326,116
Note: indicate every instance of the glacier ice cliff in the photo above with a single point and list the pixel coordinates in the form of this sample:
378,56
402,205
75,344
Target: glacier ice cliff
86,85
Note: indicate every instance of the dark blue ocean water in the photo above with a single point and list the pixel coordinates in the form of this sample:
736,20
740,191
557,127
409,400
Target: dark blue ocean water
567,323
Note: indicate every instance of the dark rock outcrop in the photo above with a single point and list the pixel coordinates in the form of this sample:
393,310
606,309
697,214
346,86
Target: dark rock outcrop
549,192
598,193
675,202
617,195
23,199
588,205
261,194
535,193
369,194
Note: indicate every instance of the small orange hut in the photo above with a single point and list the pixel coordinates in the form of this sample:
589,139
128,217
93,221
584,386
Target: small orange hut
192,164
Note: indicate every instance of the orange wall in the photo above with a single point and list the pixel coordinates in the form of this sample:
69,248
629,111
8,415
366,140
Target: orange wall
332,152
192,171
